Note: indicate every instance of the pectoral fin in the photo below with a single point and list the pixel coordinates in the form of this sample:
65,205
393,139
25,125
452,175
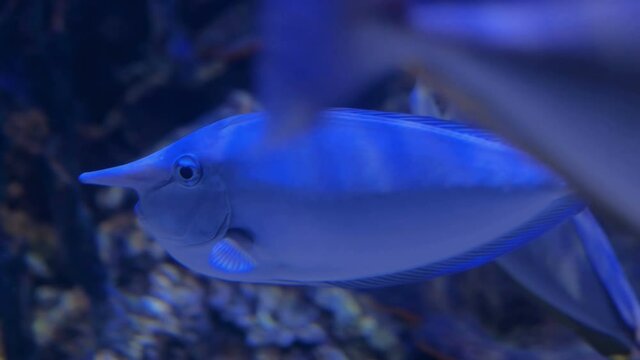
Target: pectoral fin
231,254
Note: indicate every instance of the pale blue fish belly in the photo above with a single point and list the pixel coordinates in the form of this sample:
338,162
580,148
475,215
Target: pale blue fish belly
370,199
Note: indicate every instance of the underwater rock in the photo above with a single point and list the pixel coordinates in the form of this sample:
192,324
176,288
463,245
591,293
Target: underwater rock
127,251
111,198
40,237
15,293
328,352
173,310
107,355
28,130
61,321
340,302
286,316
37,265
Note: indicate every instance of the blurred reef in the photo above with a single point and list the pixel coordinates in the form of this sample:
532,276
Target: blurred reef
86,85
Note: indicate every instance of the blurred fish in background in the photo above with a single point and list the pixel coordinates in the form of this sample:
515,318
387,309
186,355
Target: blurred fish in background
85,85
557,78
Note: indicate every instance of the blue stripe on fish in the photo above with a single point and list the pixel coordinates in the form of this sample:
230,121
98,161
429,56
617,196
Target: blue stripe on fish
457,127
553,215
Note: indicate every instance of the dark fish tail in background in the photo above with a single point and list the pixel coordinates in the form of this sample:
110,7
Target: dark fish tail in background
574,269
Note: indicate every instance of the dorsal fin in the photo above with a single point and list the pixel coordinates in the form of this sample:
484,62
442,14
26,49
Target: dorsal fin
456,126
608,268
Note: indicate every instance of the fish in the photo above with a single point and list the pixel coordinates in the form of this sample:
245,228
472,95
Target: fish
370,199
366,198
557,78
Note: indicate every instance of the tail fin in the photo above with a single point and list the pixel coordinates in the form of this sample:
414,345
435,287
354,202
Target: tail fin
606,265
574,269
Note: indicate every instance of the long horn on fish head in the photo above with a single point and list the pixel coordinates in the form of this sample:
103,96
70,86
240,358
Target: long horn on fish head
137,175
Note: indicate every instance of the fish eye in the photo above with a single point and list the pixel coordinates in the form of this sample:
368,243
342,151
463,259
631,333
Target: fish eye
187,170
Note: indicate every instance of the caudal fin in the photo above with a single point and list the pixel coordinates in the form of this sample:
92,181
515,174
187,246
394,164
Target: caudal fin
608,268
574,269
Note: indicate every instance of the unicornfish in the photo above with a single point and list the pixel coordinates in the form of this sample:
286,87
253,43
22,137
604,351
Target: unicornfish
364,199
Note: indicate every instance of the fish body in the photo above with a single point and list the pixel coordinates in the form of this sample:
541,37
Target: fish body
364,199
370,199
